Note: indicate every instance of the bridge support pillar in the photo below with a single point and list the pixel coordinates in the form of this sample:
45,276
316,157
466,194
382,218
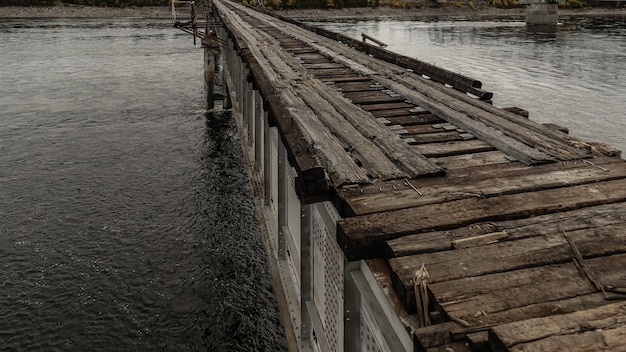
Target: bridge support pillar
542,17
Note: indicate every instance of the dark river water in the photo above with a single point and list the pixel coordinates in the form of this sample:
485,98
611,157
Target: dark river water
126,221
576,78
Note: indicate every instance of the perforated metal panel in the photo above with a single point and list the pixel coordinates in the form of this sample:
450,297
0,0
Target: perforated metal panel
369,342
293,222
328,269
332,214
333,268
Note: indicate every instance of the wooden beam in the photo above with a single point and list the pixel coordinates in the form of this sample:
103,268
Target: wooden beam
363,236
596,329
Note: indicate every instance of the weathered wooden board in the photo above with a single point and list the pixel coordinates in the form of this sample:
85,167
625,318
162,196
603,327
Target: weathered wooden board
491,181
440,137
387,106
331,72
324,65
358,86
348,77
423,128
364,150
501,257
515,126
500,292
542,225
598,329
372,97
362,236
437,150
475,159
411,162
407,116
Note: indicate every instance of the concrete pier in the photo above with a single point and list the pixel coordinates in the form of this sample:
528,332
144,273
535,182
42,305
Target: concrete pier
542,17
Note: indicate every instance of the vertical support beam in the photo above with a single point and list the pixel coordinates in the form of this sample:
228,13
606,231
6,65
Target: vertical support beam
250,112
209,76
352,309
267,153
258,131
283,206
242,86
306,274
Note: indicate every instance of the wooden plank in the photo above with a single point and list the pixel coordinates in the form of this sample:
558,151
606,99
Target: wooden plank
349,77
387,106
369,155
308,166
422,128
423,138
338,164
596,329
267,68
376,148
475,159
443,149
358,86
372,97
502,257
362,236
541,309
508,143
514,126
495,295
325,65
542,225
492,181
331,72
413,163
412,118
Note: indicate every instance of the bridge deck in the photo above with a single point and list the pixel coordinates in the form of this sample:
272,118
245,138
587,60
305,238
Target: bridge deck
519,225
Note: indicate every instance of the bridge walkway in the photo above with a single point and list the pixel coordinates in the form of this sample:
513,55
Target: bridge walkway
485,229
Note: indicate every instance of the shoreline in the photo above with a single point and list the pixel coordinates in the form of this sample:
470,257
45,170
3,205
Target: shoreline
78,11
358,13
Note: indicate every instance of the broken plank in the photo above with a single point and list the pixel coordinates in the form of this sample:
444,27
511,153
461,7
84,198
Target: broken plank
443,149
600,328
362,236
413,163
505,257
463,298
369,155
349,77
487,130
439,137
423,128
386,106
491,181
543,225
474,159
319,66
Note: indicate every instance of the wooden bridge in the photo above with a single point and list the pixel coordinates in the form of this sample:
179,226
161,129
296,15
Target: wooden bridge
402,211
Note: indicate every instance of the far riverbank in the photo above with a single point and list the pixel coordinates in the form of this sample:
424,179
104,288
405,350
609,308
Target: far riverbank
362,13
